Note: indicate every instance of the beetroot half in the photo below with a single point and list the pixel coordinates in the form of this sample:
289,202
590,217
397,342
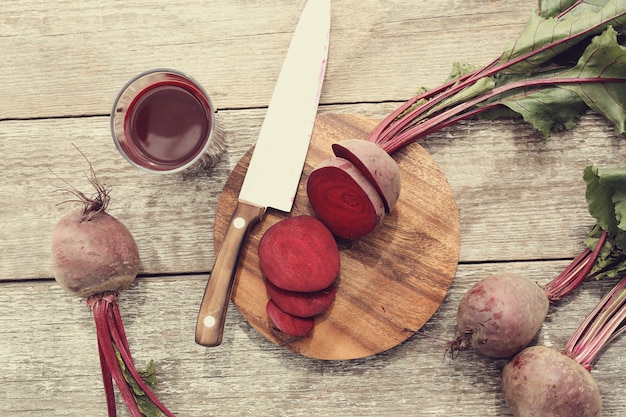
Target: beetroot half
376,164
344,199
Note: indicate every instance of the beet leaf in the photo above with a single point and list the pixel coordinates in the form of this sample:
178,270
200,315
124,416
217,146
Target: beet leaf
606,198
604,255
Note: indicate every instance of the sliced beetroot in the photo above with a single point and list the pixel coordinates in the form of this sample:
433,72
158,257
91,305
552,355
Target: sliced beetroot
299,254
301,304
344,199
288,323
377,166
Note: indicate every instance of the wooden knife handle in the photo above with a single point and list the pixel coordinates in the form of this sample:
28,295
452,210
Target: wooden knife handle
210,324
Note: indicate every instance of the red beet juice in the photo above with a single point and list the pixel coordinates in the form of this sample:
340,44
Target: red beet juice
162,121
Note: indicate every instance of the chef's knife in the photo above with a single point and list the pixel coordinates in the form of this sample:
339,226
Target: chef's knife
277,160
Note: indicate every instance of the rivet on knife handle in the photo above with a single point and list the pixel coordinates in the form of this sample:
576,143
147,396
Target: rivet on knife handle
212,315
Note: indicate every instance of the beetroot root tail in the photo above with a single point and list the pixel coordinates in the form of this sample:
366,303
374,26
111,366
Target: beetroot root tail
461,343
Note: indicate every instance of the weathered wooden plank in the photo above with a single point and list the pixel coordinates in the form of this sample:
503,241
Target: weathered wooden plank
519,196
73,59
49,365
520,199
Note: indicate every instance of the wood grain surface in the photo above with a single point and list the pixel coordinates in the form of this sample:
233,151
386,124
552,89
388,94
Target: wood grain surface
520,200
391,281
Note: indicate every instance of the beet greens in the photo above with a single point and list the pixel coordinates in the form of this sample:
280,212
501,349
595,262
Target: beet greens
605,254
567,60
570,58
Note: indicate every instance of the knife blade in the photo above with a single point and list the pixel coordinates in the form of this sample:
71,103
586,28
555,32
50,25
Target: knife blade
275,168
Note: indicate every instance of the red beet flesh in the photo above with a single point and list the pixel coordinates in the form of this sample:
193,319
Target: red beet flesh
299,254
287,323
301,304
344,199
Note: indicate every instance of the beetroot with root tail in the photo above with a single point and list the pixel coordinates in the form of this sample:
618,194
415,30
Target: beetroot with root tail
94,256
500,315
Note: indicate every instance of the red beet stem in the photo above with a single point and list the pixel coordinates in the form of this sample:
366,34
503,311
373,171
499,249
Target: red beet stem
600,327
107,380
414,119
575,273
112,340
122,346
428,125
103,331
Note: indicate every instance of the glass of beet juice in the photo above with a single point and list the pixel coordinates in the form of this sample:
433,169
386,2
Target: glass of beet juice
163,121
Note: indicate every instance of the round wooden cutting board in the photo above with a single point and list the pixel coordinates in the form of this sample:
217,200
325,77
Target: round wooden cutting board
391,281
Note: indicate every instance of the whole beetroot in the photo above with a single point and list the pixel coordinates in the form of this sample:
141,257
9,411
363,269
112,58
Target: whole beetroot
94,256
93,252
543,382
500,315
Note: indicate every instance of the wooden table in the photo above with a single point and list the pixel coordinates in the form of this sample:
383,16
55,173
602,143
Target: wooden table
520,198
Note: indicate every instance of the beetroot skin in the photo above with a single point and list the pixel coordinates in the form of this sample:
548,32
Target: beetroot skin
500,315
376,164
94,256
543,382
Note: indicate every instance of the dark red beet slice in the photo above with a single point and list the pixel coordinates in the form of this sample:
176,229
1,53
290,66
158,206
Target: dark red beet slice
301,304
299,254
344,199
287,323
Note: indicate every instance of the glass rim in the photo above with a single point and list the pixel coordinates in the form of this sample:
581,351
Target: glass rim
118,130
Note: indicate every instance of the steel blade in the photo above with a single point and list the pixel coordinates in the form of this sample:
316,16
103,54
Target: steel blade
278,157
